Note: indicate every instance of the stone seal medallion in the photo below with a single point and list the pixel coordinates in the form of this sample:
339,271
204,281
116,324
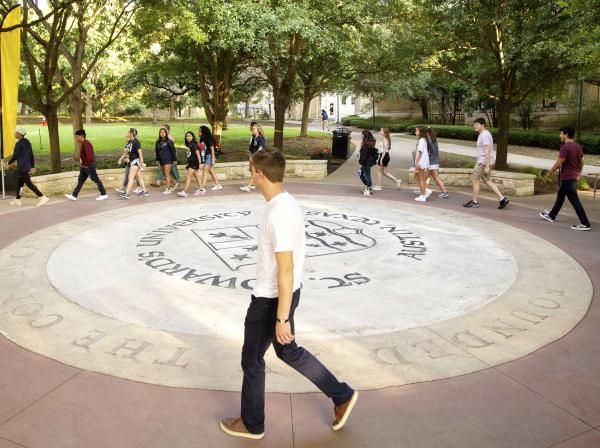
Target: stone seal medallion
392,293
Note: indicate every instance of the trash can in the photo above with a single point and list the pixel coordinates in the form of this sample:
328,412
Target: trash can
340,143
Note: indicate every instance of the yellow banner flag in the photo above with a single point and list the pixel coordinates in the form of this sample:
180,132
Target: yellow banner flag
10,61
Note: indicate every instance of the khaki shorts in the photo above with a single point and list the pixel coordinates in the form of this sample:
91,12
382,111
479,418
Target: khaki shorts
479,174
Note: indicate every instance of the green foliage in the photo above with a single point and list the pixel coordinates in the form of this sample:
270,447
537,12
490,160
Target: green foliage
583,184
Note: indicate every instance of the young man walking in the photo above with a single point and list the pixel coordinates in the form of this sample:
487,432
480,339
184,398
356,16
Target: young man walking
25,161
88,168
486,157
324,119
270,317
570,163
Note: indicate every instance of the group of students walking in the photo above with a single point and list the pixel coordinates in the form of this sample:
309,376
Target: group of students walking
200,156
426,162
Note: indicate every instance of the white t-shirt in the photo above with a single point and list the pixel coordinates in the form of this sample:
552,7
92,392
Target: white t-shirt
281,230
422,148
384,147
485,138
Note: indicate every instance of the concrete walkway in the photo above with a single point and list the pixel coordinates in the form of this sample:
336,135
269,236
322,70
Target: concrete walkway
403,145
547,399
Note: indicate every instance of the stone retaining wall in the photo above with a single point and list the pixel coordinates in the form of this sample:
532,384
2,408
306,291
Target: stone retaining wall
58,184
515,184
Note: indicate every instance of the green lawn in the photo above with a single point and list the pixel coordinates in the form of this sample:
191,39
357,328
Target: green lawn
110,137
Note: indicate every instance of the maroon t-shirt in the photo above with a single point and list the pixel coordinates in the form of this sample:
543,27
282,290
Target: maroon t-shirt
572,153
86,153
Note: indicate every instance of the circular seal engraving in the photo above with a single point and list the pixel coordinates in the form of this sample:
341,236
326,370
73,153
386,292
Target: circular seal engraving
392,293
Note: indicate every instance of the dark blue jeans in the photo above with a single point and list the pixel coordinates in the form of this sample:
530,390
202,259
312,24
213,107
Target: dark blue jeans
568,188
365,175
84,173
259,334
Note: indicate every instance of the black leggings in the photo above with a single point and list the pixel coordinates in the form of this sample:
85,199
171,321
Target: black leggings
24,179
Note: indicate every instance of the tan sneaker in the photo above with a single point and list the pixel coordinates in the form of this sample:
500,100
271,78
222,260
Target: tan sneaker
42,201
342,412
235,427
16,202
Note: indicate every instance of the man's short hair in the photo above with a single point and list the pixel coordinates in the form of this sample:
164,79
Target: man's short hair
568,130
80,132
480,120
271,163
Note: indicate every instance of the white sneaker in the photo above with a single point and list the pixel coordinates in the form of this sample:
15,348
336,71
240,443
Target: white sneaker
174,187
428,193
199,191
120,190
421,198
377,188
71,197
417,192
167,191
252,187
398,183
245,188
42,201
137,190
16,202
183,194
102,197
217,187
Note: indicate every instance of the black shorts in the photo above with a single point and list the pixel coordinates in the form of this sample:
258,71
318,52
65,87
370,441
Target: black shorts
193,165
384,159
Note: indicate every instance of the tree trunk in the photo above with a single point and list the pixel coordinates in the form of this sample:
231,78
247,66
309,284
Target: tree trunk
88,108
247,108
455,108
280,109
52,121
305,112
154,115
172,108
503,108
23,109
217,131
76,111
424,105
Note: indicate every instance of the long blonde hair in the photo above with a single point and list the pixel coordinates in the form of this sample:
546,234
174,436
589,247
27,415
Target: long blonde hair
259,129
